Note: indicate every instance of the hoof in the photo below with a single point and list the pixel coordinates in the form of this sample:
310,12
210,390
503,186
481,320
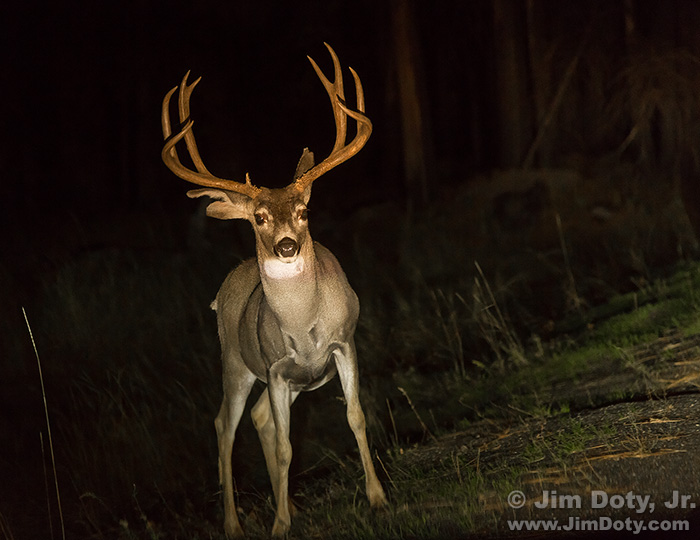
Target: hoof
377,499
280,528
234,532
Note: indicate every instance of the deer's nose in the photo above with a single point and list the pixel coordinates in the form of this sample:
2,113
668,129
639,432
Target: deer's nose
286,247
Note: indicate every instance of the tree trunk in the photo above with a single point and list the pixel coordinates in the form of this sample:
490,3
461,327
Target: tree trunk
514,131
416,136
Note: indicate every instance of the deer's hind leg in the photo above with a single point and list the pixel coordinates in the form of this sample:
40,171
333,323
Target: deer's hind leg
265,424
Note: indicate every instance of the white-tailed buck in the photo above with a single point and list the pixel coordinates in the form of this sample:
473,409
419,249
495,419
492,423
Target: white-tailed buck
287,316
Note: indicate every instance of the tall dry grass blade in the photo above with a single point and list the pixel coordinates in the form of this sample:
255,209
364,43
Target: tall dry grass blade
572,293
46,484
48,425
393,424
493,324
420,420
5,531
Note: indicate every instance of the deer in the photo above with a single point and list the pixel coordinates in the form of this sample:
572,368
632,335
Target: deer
288,315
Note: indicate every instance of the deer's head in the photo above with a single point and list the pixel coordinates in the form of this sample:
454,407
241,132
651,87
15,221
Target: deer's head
278,216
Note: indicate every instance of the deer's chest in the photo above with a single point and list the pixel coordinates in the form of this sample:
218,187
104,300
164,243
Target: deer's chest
304,357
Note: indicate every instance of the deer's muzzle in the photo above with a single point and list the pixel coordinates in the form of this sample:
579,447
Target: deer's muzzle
287,247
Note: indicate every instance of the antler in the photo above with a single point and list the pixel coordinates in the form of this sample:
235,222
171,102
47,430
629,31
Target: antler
341,151
202,176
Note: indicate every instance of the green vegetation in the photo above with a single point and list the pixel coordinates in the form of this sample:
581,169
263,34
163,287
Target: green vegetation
130,359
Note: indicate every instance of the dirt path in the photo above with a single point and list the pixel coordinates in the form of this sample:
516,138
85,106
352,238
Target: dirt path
632,464
575,468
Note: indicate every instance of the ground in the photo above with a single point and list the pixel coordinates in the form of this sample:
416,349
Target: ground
592,390
627,458
647,448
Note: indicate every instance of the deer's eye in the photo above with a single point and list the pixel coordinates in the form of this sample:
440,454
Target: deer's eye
260,219
302,214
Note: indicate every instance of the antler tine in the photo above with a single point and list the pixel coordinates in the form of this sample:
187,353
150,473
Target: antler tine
183,103
341,151
169,154
334,89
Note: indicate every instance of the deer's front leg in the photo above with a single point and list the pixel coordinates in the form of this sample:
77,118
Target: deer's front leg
236,389
280,402
346,362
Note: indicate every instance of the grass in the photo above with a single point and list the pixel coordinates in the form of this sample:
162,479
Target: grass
448,497
119,429
49,437
448,502
130,359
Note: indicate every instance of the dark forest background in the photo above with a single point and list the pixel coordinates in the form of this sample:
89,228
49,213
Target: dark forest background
454,89
556,143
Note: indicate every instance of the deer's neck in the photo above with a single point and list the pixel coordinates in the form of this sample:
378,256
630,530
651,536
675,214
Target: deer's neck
291,290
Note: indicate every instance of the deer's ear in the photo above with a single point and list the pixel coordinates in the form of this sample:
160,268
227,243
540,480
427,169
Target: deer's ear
226,204
305,163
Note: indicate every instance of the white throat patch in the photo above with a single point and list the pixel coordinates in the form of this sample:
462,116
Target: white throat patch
276,269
